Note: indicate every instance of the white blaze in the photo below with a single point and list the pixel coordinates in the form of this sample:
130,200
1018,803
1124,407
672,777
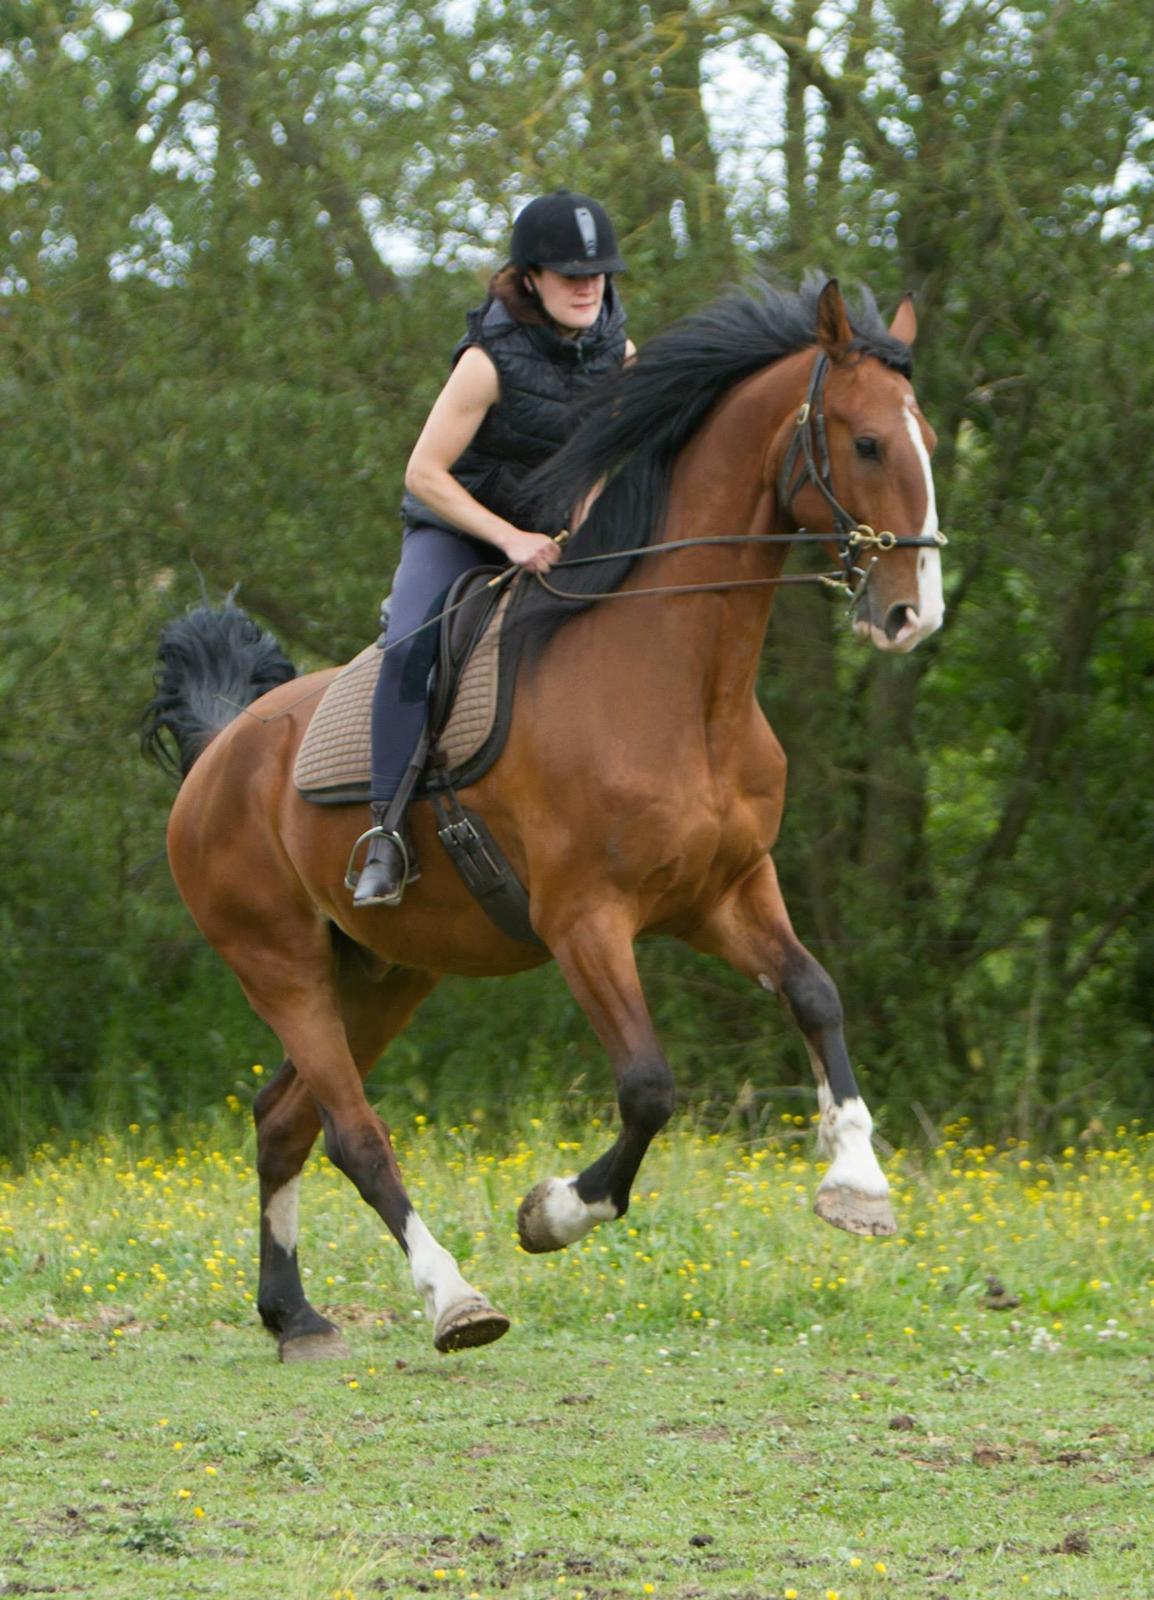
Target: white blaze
931,604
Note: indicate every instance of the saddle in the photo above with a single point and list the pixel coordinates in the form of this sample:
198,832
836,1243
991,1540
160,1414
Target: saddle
469,698
470,707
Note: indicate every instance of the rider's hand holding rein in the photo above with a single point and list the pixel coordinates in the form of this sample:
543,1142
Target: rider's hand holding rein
460,408
536,551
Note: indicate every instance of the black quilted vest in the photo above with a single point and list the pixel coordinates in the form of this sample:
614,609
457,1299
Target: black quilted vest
542,377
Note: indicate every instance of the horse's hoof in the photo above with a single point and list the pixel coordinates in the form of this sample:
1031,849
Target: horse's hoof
535,1225
315,1347
553,1215
854,1211
468,1323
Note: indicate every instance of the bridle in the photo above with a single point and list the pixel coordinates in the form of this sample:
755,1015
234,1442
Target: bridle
806,460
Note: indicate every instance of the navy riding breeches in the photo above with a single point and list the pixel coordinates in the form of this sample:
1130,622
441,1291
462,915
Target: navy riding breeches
432,559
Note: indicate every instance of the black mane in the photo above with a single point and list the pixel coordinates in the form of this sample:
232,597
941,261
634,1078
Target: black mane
635,424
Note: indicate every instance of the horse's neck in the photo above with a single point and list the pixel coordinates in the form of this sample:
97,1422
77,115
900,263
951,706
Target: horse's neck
654,678
723,483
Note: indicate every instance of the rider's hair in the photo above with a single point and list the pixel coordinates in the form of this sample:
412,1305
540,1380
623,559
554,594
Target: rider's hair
508,286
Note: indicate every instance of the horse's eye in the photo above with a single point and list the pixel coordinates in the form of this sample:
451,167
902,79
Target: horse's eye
867,449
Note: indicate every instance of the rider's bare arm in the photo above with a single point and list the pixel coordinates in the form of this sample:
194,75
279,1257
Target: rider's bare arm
457,413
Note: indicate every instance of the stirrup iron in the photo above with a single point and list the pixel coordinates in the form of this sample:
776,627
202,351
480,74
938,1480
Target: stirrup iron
379,831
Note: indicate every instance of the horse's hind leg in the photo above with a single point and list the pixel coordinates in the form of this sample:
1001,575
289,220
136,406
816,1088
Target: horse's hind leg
461,1316
750,928
287,1123
596,956
291,1111
286,1126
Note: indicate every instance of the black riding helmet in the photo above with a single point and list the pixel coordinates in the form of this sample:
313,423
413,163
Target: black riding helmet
567,233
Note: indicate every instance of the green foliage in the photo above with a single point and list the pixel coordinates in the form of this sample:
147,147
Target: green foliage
236,251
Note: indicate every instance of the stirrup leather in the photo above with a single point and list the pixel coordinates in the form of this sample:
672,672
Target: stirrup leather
353,873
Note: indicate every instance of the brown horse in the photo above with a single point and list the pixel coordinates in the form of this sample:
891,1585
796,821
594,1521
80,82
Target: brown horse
640,790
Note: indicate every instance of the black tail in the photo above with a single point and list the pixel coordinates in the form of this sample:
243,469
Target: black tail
211,664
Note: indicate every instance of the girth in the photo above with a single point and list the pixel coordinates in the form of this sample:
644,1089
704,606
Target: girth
471,847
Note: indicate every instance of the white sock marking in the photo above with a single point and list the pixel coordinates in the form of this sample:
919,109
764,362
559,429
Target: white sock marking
843,1134
436,1275
846,1133
567,1215
282,1211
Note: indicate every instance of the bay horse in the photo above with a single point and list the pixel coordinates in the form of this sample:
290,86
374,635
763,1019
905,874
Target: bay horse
640,789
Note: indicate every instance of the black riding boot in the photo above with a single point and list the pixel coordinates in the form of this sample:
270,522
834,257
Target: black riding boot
386,866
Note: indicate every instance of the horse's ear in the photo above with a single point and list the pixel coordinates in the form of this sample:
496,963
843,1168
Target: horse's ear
834,333
905,323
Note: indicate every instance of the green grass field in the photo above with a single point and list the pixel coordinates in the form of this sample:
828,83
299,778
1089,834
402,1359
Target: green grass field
718,1396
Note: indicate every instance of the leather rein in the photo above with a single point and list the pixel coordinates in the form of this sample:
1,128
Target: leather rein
806,461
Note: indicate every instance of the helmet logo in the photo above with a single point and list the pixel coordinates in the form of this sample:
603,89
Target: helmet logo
588,229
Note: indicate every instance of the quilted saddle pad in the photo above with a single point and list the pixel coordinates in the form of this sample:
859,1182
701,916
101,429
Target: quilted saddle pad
332,764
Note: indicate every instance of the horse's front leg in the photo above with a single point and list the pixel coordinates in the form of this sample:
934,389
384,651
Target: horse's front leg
750,928
596,955
333,1029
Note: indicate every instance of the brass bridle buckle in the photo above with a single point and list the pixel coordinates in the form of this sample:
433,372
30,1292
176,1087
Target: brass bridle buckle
864,538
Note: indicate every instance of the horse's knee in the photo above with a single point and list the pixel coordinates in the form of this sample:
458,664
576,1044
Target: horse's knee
646,1096
812,996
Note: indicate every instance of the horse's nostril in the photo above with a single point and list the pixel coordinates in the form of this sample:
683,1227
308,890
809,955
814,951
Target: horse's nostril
897,618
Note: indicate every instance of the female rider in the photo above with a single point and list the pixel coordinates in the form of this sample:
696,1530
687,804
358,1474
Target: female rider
551,326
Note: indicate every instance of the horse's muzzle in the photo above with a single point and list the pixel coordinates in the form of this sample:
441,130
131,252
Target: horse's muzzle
899,629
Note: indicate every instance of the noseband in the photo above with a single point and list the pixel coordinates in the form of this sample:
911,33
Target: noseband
807,461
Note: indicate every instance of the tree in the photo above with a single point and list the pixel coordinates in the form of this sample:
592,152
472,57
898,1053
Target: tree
238,245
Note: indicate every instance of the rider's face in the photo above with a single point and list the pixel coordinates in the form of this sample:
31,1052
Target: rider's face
573,303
